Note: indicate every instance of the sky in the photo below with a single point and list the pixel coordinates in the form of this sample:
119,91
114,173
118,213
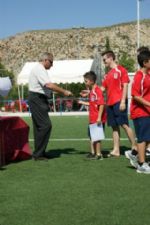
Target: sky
17,16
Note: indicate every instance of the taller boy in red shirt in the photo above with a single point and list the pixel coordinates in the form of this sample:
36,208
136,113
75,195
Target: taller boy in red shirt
115,84
132,155
140,110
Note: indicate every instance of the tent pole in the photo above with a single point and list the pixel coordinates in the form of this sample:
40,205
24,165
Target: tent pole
20,106
22,88
54,105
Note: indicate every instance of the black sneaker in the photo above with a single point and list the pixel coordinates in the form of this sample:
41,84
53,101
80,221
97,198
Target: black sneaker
90,156
98,157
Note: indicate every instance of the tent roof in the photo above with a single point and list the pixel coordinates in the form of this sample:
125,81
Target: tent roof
63,71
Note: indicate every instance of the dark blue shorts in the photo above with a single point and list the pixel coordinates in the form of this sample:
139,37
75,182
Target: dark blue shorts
115,117
142,129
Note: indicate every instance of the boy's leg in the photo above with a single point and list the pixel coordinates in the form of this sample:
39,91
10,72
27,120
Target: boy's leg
141,151
143,167
148,149
148,146
116,141
92,148
130,135
98,148
142,130
91,154
111,120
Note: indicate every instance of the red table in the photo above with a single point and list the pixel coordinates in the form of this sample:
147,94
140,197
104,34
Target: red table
14,144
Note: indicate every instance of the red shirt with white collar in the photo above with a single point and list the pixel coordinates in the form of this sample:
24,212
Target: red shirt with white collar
141,88
113,83
95,100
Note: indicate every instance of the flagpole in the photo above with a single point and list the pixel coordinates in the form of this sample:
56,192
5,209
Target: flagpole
138,24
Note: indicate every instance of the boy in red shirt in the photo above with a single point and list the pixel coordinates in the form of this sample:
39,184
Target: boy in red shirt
115,84
132,154
96,110
140,110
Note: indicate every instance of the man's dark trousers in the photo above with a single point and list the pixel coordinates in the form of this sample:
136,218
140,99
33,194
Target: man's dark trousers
39,108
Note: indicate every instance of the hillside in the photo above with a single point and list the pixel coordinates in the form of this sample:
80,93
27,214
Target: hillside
71,43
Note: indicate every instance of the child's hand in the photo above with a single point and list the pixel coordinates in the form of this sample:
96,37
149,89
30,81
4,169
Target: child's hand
122,106
99,121
80,102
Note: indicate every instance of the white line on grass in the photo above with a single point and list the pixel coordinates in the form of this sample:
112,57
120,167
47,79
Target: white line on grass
79,139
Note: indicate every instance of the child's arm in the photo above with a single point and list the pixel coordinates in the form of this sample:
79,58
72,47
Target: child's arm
142,101
83,102
99,119
102,88
122,106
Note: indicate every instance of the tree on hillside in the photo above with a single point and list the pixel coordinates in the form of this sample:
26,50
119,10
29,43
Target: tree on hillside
127,62
107,44
6,73
107,48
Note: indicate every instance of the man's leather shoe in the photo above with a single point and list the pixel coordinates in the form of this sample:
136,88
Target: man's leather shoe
40,158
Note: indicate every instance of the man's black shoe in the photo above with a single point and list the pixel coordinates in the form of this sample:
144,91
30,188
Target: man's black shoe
90,156
40,158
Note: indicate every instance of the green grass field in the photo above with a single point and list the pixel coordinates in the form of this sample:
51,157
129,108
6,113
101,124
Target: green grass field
70,190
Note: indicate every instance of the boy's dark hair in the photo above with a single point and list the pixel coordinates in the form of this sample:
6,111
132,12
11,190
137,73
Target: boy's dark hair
90,76
143,57
142,49
109,54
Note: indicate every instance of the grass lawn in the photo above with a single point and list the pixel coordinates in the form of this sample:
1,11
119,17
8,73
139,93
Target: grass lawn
70,190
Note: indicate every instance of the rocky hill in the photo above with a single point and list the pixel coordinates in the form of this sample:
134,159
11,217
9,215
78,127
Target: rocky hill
72,43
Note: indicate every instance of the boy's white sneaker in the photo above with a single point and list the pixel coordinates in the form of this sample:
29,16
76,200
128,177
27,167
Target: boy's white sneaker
128,154
133,158
145,168
134,163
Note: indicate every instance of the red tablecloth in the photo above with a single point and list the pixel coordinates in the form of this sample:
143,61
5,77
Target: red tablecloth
13,140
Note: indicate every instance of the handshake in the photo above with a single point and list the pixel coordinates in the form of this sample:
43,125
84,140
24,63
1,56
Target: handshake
83,93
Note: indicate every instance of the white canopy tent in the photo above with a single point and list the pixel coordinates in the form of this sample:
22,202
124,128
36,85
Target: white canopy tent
63,71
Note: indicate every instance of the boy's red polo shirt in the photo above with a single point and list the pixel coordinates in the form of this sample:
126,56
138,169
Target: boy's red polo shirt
113,83
140,87
95,100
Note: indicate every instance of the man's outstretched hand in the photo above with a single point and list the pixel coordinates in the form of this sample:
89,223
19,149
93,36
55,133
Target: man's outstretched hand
68,93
